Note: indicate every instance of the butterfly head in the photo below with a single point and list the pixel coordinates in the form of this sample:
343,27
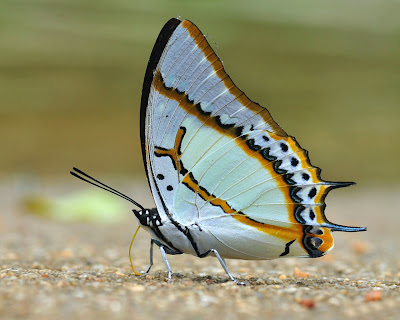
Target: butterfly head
148,217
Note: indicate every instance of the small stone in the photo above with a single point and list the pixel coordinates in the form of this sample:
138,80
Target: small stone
374,295
120,274
282,276
297,273
307,303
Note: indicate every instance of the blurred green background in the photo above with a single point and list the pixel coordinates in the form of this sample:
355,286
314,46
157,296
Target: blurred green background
71,73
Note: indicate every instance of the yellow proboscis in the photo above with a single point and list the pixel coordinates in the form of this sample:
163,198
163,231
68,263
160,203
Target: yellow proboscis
130,247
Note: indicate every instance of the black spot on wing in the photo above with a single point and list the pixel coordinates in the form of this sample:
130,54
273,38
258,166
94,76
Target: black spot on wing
276,166
251,144
312,192
284,147
266,154
294,162
298,213
293,194
288,178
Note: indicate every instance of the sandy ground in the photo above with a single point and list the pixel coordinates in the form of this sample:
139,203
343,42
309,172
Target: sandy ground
53,270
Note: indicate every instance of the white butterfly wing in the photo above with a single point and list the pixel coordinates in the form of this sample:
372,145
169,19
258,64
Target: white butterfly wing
218,160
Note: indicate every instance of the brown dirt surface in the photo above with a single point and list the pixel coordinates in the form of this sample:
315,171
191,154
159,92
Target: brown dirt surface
53,270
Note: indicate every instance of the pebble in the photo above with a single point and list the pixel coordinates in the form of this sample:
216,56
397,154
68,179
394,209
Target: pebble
307,303
374,295
297,273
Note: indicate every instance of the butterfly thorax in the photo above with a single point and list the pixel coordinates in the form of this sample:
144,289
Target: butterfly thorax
151,221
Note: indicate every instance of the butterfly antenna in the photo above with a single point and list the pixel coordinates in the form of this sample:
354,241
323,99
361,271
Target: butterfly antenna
102,185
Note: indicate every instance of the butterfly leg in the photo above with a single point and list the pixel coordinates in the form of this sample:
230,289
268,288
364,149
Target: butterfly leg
224,266
164,256
164,251
151,257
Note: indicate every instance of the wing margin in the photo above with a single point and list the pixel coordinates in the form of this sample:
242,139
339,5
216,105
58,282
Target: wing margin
158,49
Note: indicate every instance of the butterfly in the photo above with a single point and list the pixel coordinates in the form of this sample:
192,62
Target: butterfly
226,179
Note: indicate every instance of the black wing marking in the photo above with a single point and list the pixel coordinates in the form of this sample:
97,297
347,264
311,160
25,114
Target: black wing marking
155,56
